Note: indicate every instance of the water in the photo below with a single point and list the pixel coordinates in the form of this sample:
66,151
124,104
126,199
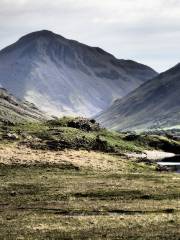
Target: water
172,163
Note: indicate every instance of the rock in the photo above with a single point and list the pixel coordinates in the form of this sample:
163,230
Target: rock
11,136
84,124
26,136
160,168
13,193
131,137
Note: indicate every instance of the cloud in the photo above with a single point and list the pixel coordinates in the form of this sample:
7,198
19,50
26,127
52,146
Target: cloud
144,31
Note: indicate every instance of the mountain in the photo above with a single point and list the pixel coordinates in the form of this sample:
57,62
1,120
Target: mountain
155,104
14,110
65,77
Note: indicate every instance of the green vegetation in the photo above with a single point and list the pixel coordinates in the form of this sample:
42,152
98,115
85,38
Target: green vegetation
80,133
63,133
75,192
164,143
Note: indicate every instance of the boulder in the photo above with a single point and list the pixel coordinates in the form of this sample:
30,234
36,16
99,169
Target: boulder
11,136
84,124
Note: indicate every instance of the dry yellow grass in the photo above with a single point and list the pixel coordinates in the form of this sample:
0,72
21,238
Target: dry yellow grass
105,197
90,160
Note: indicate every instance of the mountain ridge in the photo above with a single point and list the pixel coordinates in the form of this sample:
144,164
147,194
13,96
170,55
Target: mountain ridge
14,110
65,77
155,104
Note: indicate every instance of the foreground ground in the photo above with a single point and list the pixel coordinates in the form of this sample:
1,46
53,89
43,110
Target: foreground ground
82,194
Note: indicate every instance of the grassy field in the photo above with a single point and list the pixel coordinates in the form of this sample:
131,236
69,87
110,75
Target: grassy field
83,194
77,133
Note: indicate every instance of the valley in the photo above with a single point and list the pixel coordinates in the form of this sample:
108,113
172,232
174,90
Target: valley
88,144
56,182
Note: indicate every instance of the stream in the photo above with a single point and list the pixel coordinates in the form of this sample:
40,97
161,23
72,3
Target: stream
172,163
163,159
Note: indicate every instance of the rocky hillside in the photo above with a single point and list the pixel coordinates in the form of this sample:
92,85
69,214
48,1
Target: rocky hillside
13,110
65,77
154,105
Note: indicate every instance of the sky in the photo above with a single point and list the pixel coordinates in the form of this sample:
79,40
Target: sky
147,31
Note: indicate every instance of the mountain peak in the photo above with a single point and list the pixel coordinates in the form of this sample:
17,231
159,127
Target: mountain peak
42,33
46,35
66,77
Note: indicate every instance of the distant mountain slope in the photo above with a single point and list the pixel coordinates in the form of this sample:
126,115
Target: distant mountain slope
155,104
66,77
14,110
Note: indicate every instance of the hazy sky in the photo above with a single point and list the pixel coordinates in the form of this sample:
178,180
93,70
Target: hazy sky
147,31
